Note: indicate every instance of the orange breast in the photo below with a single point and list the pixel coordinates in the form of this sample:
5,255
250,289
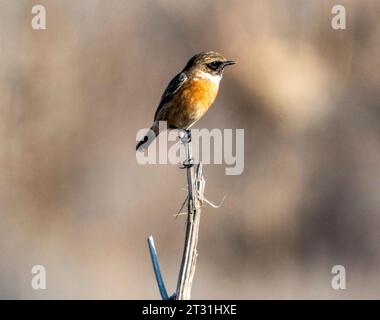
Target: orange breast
198,96
190,103
200,92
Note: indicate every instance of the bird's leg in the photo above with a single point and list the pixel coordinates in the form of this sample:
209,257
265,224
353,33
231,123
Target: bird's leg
185,136
186,139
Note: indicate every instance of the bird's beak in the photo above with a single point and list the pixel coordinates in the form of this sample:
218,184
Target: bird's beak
229,63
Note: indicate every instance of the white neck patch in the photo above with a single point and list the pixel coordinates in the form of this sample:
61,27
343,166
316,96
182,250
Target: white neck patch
204,75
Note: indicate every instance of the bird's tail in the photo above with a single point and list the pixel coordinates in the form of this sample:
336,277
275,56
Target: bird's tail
144,143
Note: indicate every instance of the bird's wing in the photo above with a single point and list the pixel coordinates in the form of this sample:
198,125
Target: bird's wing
171,90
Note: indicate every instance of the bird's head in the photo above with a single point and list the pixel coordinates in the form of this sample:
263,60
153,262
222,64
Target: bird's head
208,65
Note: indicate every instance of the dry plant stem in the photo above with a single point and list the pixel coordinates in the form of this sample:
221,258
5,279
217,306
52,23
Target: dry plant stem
195,198
156,268
189,257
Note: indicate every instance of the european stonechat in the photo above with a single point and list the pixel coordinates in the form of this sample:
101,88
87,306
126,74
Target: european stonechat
189,95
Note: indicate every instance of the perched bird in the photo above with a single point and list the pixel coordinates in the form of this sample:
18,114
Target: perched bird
189,94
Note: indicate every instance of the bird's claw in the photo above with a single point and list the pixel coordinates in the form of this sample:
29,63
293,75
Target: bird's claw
187,164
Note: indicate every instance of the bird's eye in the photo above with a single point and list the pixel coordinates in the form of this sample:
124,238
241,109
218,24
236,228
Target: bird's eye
214,65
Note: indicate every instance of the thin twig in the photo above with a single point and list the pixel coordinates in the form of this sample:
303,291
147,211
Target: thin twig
156,268
180,210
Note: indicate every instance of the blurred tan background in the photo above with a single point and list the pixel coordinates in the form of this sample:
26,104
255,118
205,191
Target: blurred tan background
73,198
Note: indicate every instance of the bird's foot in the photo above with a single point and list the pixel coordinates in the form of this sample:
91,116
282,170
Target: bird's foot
188,163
